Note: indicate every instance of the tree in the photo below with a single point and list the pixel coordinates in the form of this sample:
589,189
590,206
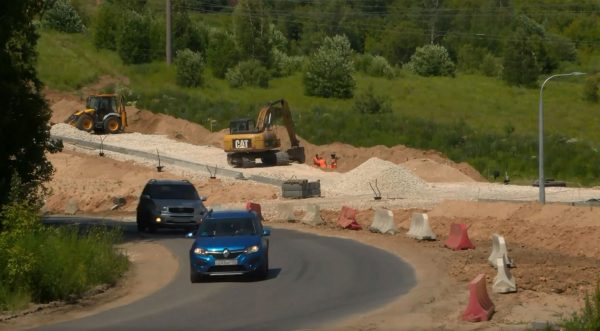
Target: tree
222,53
189,68
61,16
24,124
329,72
520,63
134,39
252,31
431,60
107,25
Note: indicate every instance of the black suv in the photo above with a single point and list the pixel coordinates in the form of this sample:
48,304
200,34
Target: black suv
169,204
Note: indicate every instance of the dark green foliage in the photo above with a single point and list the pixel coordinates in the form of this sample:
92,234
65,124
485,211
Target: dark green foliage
24,127
190,66
222,53
520,63
186,33
589,317
251,23
368,102
61,16
248,73
431,60
134,39
398,43
470,58
106,27
329,72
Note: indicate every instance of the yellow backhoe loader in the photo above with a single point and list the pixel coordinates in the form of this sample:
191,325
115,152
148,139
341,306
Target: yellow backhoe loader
103,113
249,140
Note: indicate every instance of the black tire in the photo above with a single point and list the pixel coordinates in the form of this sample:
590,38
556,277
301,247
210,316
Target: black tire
141,227
263,272
112,124
152,228
85,122
269,159
195,277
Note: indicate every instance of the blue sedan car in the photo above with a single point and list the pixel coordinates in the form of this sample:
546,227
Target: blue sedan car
230,243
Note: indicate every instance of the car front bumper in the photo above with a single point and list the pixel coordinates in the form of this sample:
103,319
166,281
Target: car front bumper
210,266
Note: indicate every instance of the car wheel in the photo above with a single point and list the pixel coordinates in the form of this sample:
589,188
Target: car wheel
195,277
152,228
263,272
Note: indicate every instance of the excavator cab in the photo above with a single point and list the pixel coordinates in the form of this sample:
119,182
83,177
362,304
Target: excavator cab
103,112
242,125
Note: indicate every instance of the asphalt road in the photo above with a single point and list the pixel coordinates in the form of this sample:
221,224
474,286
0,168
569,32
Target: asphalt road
313,280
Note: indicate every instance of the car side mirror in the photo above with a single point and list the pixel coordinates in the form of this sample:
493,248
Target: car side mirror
266,232
191,235
203,198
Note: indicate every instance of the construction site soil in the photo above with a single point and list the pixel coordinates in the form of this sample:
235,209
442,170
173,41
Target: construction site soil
554,246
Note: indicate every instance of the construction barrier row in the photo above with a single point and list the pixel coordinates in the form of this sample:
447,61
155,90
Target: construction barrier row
480,307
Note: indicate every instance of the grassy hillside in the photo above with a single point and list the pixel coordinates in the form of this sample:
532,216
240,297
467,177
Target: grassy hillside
484,106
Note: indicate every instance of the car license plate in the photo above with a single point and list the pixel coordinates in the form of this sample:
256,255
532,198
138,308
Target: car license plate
226,262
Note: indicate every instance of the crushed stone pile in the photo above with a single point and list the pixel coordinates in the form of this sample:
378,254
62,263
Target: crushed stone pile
392,179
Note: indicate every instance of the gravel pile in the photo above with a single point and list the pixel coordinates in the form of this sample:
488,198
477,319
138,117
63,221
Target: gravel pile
392,179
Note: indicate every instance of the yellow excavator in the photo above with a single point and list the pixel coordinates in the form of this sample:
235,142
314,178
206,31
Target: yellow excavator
103,113
249,140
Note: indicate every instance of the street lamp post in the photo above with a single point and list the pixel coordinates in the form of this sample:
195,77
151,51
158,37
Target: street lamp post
541,180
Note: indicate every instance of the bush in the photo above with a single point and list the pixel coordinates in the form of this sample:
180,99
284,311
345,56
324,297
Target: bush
248,73
190,66
134,39
589,317
63,17
490,66
431,60
381,68
285,65
329,72
470,58
370,103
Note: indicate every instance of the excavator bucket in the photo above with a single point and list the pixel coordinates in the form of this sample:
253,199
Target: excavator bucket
297,154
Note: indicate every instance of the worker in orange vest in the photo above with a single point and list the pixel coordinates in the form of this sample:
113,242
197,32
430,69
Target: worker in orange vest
319,161
333,164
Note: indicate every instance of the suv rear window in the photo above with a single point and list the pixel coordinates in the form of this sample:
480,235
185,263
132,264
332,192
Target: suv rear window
175,192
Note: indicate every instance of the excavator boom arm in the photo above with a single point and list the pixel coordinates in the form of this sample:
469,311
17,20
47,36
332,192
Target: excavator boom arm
281,109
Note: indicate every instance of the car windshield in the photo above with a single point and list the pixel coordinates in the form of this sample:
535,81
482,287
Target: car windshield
174,192
226,227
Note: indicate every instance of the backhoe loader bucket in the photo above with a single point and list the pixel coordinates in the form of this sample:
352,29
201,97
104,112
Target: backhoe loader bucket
297,154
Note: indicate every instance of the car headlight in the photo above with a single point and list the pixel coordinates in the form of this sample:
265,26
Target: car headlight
252,249
199,251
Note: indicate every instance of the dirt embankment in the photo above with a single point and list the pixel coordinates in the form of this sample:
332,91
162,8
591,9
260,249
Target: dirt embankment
88,184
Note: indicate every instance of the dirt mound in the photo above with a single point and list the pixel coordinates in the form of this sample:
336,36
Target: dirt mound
89,183
385,175
434,172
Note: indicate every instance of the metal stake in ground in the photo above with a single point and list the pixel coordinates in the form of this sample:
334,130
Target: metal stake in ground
376,191
159,168
213,175
102,145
